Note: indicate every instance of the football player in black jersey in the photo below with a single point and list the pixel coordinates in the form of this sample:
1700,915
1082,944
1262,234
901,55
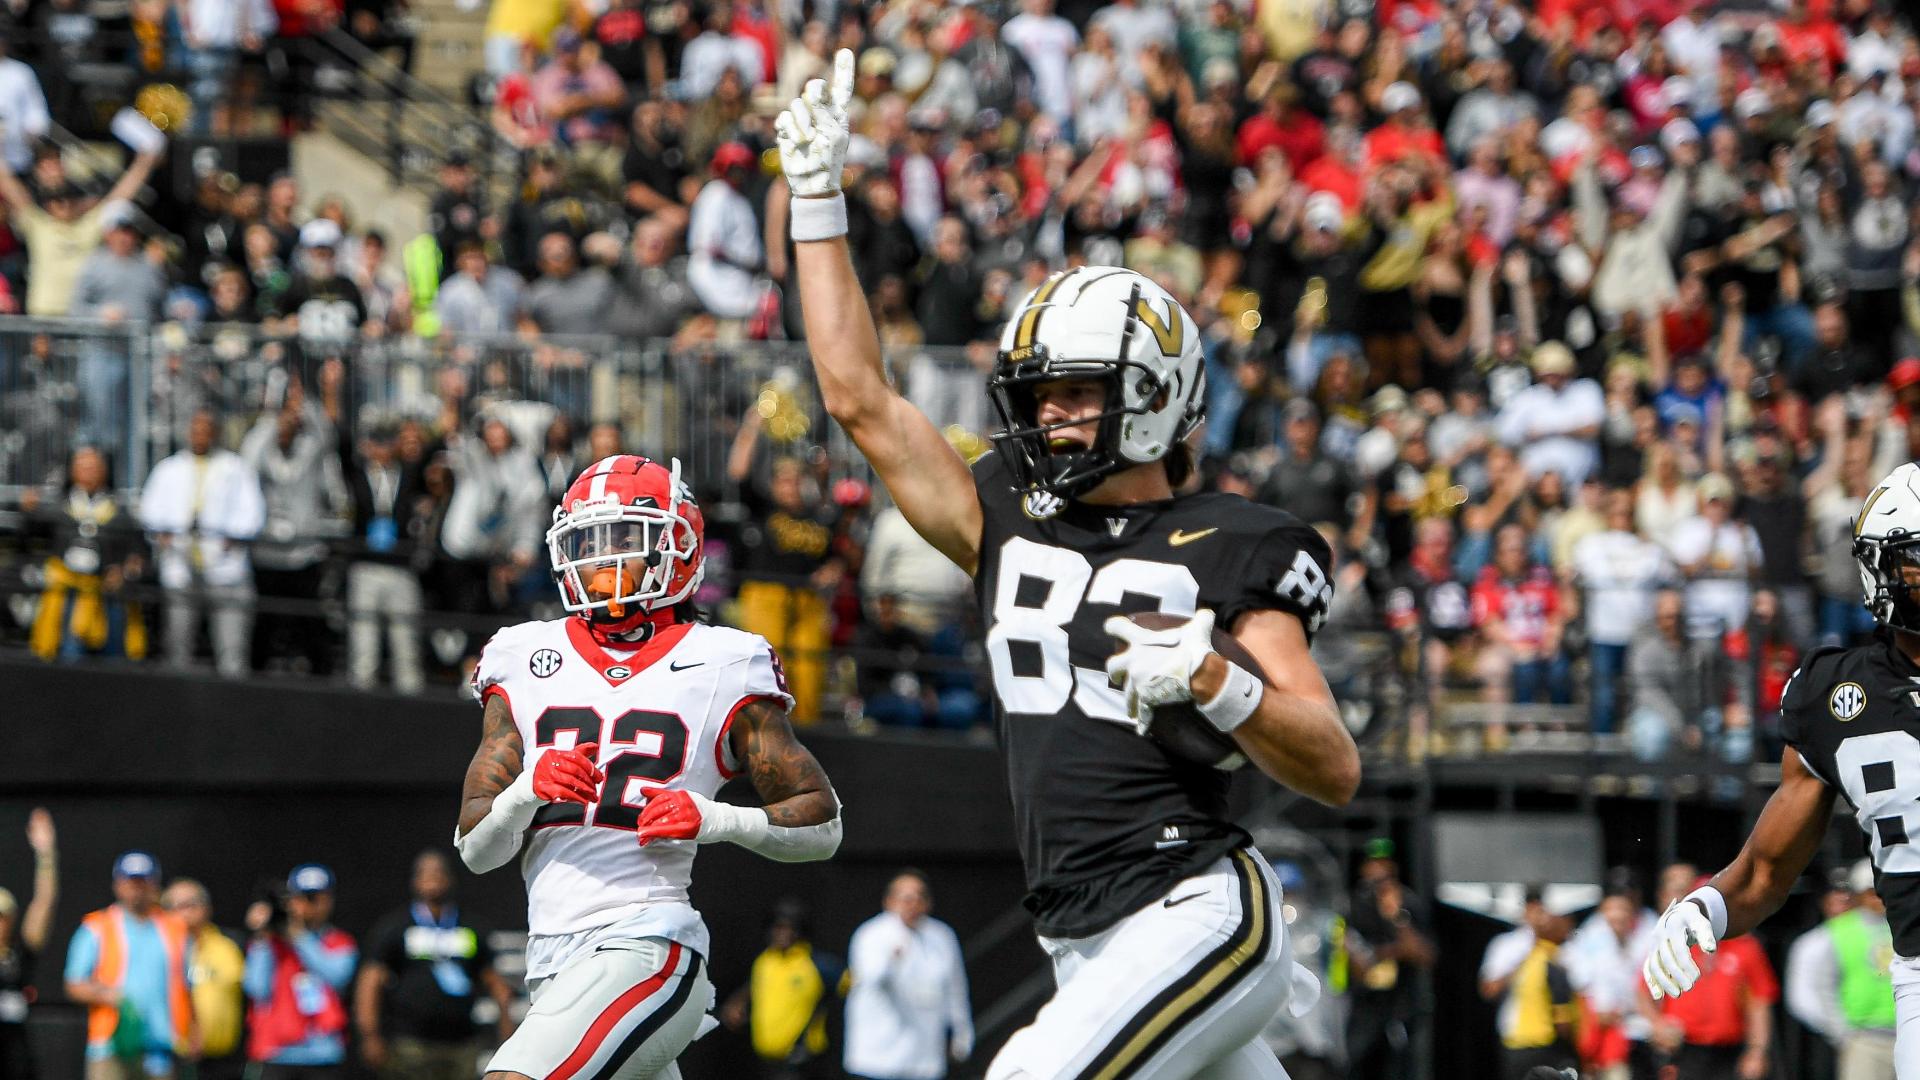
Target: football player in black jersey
1851,721
1162,922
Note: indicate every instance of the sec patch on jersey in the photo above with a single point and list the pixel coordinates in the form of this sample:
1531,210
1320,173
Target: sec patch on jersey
1847,700
1180,729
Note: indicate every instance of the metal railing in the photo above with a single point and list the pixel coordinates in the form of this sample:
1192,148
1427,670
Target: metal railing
131,390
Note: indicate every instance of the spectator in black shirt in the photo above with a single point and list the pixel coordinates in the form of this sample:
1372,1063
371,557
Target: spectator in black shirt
547,204
21,940
893,691
949,287
1774,505
655,168
423,968
1836,365
457,211
882,242
788,568
1306,482
95,547
621,33
389,501
320,302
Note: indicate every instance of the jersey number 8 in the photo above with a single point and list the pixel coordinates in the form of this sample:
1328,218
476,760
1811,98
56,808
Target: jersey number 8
1070,581
1881,775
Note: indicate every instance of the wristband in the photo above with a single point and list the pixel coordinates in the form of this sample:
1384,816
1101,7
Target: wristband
1239,696
748,827
1714,904
818,219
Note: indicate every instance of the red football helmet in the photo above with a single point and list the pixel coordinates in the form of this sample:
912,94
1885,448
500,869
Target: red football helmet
627,542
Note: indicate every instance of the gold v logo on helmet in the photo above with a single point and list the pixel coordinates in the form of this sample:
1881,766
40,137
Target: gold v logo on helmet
1167,333
1860,523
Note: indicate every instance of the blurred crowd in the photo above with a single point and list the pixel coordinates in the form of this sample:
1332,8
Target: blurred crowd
1581,330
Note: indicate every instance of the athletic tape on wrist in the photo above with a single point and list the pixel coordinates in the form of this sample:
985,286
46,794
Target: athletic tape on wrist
1715,904
1238,698
818,219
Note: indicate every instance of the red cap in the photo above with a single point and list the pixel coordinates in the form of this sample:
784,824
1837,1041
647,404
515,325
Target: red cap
1904,374
732,155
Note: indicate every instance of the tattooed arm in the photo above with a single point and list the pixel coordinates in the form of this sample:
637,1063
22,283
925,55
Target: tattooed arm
801,819
784,773
497,802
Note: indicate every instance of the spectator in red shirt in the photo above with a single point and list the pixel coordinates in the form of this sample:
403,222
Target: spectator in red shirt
1282,123
1407,131
1517,610
1808,38
1688,321
1338,170
1722,1027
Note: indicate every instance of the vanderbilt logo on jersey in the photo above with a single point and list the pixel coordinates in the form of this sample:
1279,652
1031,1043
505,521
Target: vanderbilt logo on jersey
1041,505
1116,526
544,663
1847,700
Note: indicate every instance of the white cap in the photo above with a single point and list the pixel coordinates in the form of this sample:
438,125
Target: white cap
1677,91
1678,131
1751,102
320,232
1860,877
1323,211
1820,114
1398,96
117,213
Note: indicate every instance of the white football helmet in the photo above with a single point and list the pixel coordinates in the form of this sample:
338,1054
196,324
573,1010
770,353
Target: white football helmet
1886,544
1107,323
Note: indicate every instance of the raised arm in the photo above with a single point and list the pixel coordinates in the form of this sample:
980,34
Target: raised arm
926,477
800,821
38,921
1752,887
13,191
135,177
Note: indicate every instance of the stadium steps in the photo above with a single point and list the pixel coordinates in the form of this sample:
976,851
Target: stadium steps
325,164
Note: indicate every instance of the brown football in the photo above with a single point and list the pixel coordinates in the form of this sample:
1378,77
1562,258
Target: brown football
1180,729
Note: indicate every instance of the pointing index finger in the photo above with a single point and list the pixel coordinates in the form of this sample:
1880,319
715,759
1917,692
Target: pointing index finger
842,78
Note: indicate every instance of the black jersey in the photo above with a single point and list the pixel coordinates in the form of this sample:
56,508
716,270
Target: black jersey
1106,819
1853,715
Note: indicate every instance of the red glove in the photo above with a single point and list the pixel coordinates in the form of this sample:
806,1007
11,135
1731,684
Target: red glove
568,776
670,815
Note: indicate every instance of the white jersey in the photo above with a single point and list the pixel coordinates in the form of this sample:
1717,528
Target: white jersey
660,715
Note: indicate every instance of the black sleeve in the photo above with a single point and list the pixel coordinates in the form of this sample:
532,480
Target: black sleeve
387,943
1804,712
1290,569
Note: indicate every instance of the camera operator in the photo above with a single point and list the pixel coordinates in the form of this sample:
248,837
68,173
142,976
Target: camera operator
298,966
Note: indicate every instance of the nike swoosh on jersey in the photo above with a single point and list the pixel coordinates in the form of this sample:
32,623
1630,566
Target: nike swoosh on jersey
1175,901
1181,537
671,666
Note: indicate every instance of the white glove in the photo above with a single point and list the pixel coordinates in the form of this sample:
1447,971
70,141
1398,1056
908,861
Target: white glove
813,133
1157,666
1670,970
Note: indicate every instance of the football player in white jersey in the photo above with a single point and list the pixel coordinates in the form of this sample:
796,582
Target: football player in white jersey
627,716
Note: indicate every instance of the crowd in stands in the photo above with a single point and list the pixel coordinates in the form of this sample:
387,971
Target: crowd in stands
1581,330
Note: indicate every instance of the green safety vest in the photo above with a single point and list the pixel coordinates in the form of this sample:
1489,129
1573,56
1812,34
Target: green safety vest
421,258
1864,949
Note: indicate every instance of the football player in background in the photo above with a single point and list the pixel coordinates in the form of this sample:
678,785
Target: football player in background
628,716
1851,722
1162,921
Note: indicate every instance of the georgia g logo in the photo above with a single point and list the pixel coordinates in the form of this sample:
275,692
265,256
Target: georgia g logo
1846,701
544,663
